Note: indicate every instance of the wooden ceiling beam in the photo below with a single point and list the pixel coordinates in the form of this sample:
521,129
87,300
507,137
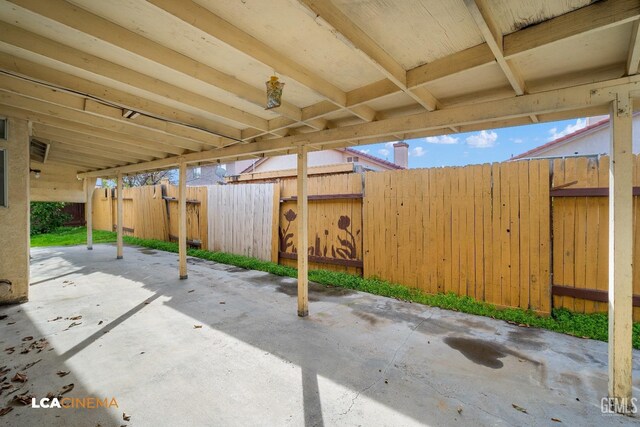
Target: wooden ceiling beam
595,17
633,58
162,140
59,52
90,143
370,50
32,70
89,23
572,100
82,148
203,19
210,23
58,152
154,129
134,142
493,37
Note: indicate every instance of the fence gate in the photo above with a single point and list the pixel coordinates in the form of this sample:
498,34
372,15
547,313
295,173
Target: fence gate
580,216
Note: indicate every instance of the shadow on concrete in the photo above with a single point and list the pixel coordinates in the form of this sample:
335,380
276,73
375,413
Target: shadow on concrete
356,340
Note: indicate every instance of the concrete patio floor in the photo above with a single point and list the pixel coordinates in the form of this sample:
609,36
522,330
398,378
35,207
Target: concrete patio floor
359,359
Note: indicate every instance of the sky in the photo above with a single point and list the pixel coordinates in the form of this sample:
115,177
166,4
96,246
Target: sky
494,145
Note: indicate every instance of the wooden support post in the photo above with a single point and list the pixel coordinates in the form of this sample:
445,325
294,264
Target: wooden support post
119,215
89,185
182,219
303,237
620,252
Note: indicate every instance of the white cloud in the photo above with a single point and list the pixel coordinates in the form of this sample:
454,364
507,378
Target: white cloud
389,144
442,139
579,124
517,140
483,139
365,151
383,152
418,152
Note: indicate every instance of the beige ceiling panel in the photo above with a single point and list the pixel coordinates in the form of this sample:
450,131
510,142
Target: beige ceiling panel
415,32
289,28
513,15
584,52
471,81
112,83
155,24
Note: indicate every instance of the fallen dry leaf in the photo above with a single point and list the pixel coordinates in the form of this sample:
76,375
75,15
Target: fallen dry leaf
24,399
459,409
72,325
6,410
6,386
4,370
74,318
192,290
222,302
126,417
10,350
28,365
4,316
100,322
62,373
197,326
19,377
555,420
67,388
53,320
11,323
519,408
29,338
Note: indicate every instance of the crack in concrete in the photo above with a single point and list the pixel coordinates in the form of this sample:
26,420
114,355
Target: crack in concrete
387,366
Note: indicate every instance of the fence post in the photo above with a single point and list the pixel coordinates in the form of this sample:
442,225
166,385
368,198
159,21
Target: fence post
275,223
303,238
182,219
119,215
620,250
89,186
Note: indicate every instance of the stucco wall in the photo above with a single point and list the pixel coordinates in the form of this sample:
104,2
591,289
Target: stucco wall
57,183
14,219
591,142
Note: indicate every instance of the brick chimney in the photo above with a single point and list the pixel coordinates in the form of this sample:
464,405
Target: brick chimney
401,154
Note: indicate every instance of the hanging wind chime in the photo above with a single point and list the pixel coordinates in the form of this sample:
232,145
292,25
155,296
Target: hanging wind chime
274,92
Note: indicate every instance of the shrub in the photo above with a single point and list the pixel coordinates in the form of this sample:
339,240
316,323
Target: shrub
47,216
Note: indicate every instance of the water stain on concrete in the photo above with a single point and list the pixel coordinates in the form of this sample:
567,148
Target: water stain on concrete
486,353
372,320
289,286
527,338
147,251
478,351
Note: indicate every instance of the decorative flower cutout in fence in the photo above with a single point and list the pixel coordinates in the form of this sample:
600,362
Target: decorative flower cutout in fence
346,250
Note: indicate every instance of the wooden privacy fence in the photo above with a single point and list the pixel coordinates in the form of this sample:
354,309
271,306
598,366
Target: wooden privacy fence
529,234
335,223
151,212
242,219
481,231
581,233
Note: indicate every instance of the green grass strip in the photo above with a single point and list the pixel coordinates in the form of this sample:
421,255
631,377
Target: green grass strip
594,326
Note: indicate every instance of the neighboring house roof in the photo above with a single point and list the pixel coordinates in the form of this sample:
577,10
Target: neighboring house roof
566,139
372,158
384,163
557,142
